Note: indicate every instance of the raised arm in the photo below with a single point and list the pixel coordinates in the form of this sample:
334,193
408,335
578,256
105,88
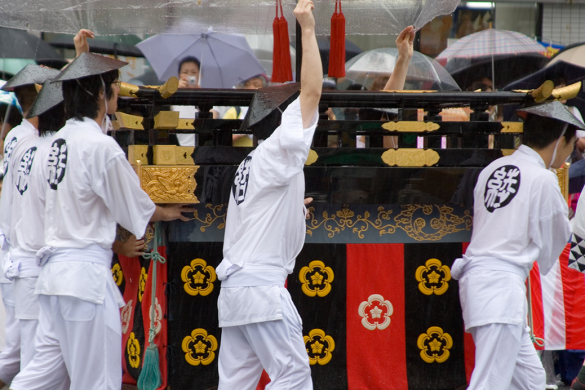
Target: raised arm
404,43
80,41
311,68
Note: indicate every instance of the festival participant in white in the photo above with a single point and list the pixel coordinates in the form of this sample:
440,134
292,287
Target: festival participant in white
520,217
27,222
265,231
91,187
23,84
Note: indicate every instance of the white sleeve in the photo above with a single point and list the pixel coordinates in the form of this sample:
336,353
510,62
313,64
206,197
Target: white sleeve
550,228
119,187
283,155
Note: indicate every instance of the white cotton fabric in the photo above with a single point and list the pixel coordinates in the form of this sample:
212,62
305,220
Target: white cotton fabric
275,346
14,137
99,189
505,358
28,229
78,341
10,355
81,273
506,242
265,224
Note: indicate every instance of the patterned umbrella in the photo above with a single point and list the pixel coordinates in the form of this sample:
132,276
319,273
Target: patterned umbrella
491,42
503,56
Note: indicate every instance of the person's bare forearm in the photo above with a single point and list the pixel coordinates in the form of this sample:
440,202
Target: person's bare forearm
311,68
398,77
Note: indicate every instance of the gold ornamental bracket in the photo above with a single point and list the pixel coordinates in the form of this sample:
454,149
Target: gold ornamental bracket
166,120
166,90
541,93
410,157
410,126
568,92
128,121
512,127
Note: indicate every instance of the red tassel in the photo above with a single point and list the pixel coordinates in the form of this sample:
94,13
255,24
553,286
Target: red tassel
337,44
281,66
276,51
285,46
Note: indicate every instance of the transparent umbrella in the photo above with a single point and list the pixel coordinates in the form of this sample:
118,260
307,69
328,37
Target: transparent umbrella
109,17
372,67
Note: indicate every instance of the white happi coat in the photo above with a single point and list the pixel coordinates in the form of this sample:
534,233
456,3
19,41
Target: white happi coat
27,234
520,217
16,135
265,226
91,187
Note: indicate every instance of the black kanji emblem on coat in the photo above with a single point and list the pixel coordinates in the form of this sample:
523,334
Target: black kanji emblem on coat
240,185
8,148
501,187
24,168
57,163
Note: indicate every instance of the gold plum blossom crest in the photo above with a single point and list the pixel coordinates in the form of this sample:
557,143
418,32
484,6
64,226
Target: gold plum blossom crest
433,277
319,347
435,345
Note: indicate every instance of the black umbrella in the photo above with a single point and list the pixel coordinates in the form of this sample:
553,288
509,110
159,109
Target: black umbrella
507,68
559,70
20,44
99,46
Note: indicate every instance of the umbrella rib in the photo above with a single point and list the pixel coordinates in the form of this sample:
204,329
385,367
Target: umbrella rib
215,59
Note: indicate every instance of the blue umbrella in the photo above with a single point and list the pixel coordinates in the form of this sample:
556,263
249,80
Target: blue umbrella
226,59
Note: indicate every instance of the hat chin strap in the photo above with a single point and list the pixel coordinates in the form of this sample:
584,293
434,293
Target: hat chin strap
106,122
552,160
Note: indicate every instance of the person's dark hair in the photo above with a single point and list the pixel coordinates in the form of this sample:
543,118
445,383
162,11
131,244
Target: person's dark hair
82,95
26,96
356,87
14,116
189,59
539,132
52,120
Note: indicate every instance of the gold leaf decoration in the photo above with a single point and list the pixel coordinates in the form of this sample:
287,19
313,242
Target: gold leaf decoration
409,221
410,126
313,156
410,157
435,345
512,127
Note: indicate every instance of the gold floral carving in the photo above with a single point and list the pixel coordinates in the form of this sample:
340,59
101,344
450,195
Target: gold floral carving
175,184
435,345
313,156
433,277
210,218
446,222
410,157
512,127
410,126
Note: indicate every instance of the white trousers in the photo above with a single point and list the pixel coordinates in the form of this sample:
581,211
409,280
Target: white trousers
276,346
76,340
505,358
10,356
